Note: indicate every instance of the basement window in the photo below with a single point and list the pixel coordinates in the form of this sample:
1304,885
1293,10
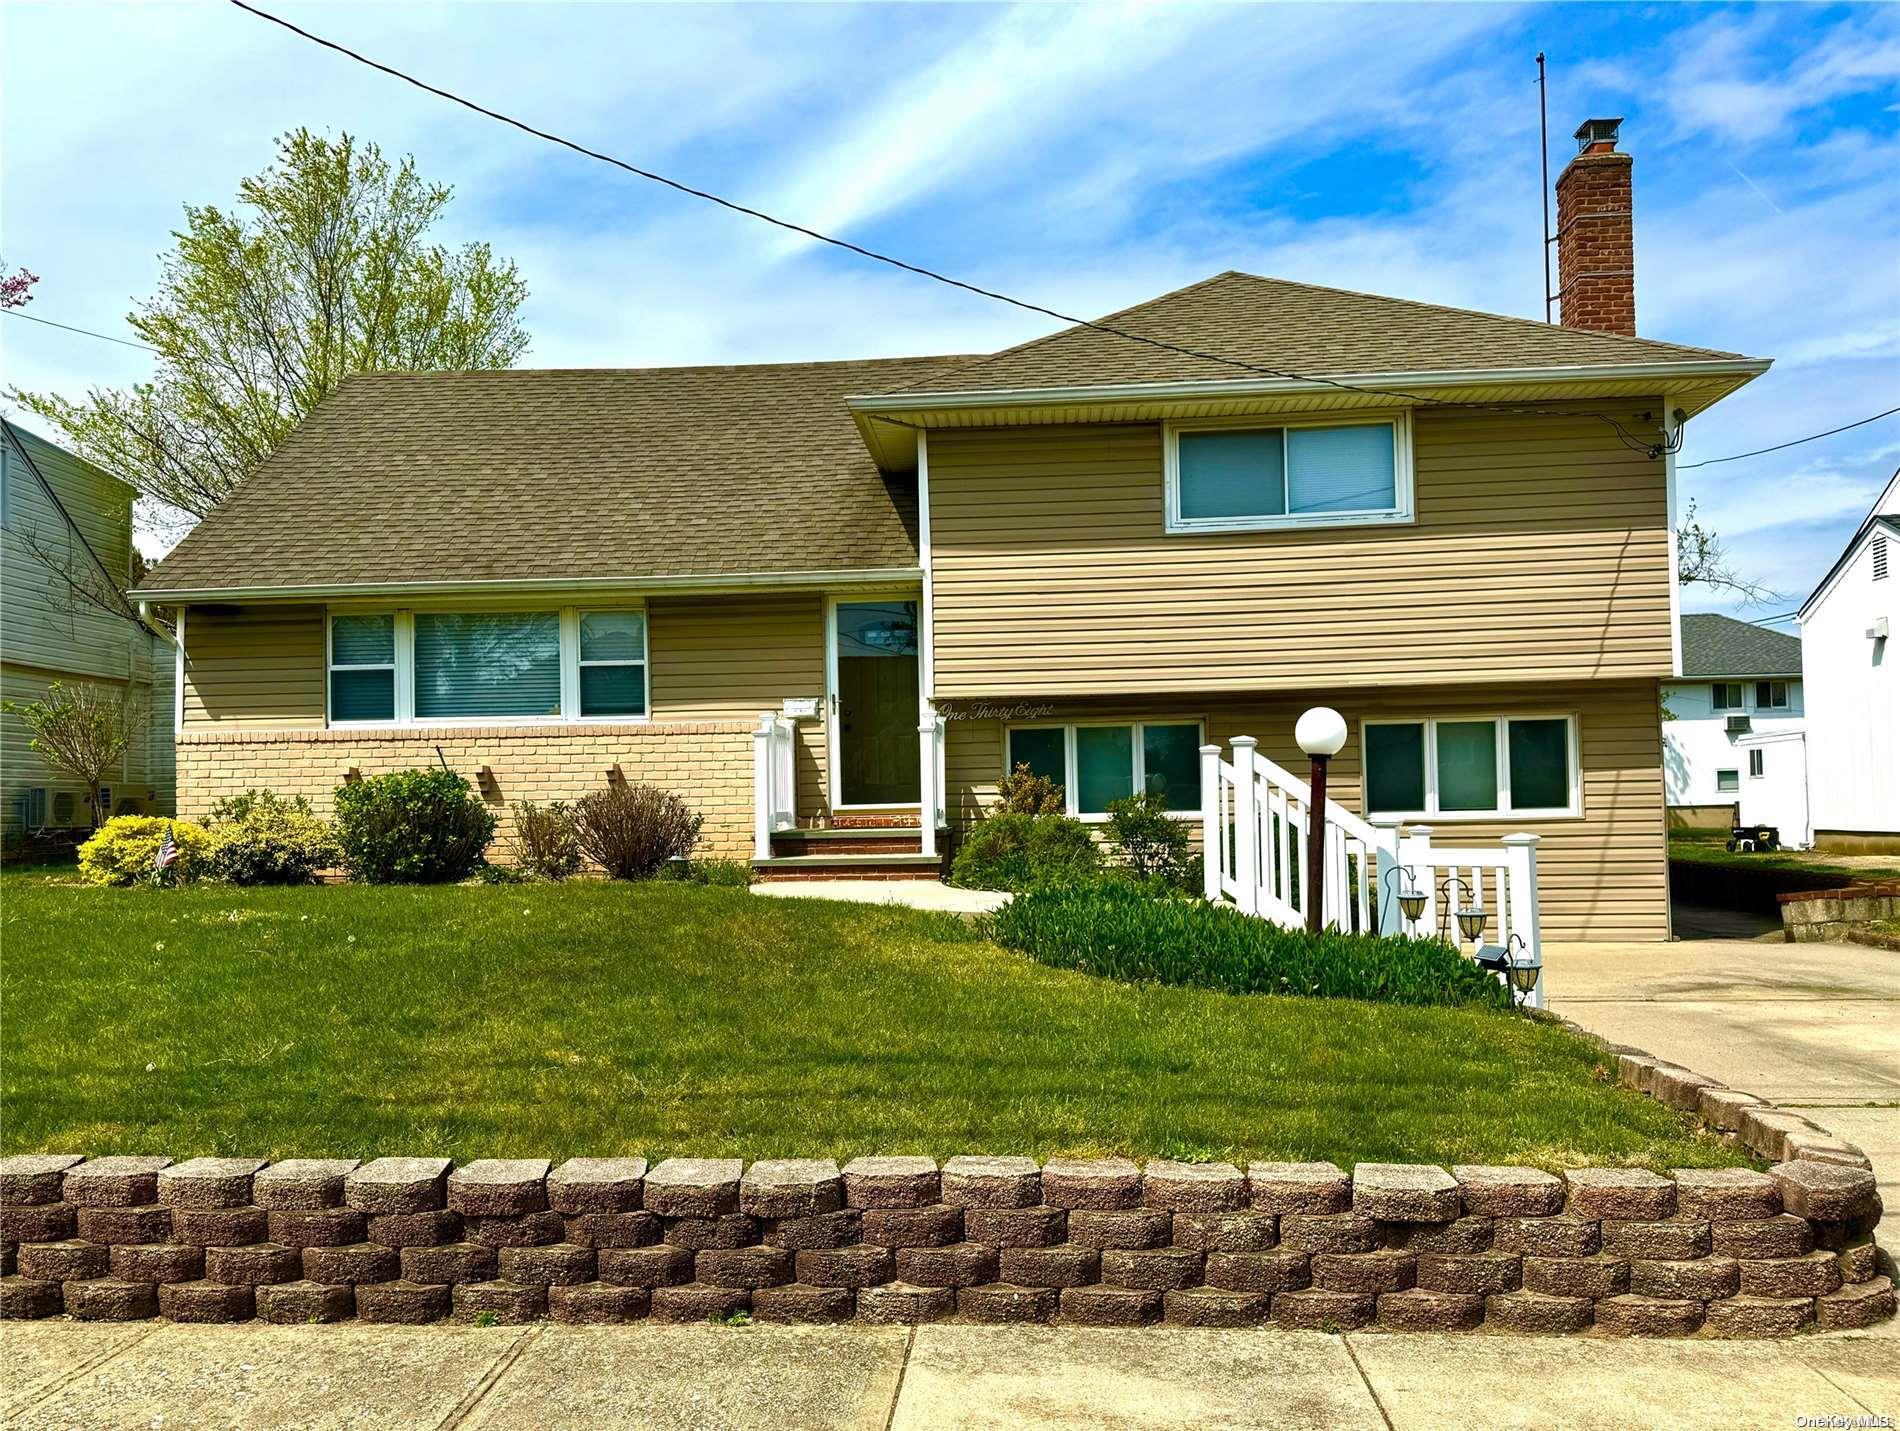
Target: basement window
1470,767
1223,476
1098,761
1727,782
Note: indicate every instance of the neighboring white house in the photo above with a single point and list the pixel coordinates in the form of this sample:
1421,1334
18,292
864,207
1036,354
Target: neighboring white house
1849,661
1738,731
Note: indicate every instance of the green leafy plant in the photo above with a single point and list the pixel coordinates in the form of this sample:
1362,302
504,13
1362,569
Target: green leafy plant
487,1319
261,838
1153,844
1018,852
412,827
543,841
1121,931
1023,792
739,1318
631,831
123,851
81,731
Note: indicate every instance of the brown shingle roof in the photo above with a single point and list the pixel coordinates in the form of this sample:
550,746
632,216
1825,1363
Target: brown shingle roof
1293,328
558,474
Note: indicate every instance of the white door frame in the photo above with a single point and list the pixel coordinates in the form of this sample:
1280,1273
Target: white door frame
835,776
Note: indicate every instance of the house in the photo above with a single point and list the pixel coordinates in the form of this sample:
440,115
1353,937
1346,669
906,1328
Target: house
819,598
1848,663
67,561
1733,732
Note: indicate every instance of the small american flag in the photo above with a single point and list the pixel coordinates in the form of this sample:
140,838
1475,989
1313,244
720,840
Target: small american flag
167,854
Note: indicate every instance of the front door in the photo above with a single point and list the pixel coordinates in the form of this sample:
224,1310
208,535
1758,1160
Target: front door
874,701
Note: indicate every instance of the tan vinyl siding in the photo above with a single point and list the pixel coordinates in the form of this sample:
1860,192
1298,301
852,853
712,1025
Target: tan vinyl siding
1603,875
732,658
257,667
710,659
1541,550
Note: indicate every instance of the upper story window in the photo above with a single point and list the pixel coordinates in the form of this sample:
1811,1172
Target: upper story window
1771,695
499,667
1726,696
1227,477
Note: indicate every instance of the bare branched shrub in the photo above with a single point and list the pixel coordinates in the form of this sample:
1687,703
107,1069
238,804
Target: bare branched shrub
544,842
632,830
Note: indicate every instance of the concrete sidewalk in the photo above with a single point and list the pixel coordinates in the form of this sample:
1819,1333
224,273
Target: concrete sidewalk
69,1374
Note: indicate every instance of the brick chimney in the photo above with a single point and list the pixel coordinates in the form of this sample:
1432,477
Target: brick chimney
1596,237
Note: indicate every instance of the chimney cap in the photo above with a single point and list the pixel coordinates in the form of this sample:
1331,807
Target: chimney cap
1598,136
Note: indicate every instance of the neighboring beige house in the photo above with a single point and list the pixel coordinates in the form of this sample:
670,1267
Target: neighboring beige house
1088,553
68,524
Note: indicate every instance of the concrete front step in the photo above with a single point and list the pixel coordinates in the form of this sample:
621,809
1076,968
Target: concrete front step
832,865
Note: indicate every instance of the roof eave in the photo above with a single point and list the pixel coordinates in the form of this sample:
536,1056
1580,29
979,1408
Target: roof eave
686,583
1742,369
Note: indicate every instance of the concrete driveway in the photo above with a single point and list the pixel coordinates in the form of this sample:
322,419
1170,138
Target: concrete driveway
1809,1026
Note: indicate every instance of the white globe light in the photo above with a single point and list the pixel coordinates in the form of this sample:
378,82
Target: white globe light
1321,731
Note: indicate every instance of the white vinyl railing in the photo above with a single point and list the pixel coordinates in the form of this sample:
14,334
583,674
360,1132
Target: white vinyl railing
774,795
1255,818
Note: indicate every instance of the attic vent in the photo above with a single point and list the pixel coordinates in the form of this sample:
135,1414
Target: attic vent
1880,558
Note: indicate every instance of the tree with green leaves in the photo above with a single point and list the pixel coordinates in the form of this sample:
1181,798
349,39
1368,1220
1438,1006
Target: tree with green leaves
81,731
323,269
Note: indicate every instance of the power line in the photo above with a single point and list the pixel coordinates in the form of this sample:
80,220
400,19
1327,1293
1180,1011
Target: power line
86,332
1653,449
1814,437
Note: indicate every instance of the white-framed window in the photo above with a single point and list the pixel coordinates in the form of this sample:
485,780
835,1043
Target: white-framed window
1224,475
1757,763
1771,695
1470,767
1726,696
1098,761
525,666
1727,782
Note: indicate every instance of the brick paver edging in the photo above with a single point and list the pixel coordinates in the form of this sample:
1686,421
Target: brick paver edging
1727,1252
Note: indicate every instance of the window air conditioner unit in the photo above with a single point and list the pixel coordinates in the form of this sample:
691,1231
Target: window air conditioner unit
1738,725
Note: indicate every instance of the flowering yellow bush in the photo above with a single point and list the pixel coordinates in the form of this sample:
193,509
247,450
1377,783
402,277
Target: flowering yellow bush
121,851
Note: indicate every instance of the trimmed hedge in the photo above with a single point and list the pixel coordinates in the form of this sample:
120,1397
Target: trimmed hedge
1020,852
1121,931
412,827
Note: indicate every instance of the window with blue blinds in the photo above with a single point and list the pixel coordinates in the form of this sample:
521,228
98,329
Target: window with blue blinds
487,664
1244,478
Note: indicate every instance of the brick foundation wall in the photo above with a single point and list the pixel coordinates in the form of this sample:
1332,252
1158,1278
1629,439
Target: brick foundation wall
708,764
1727,1252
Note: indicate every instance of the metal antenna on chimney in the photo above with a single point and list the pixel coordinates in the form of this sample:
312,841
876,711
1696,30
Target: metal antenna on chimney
1543,151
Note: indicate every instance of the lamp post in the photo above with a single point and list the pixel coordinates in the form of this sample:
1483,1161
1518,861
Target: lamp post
1321,732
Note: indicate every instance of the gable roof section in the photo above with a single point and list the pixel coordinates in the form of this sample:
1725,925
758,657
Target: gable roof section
562,475
1294,328
1885,515
1715,645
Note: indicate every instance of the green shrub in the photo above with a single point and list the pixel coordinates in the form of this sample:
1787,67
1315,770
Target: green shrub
261,838
544,843
1022,792
1019,852
1121,931
1153,843
631,831
412,827
121,851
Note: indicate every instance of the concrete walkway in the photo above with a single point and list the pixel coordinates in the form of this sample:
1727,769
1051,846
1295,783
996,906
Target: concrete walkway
1814,1027
69,1374
915,893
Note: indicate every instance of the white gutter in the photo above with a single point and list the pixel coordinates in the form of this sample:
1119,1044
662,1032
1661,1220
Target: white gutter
691,583
1246,387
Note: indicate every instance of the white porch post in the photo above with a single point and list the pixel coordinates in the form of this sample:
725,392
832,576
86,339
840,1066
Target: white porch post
927,783
1415,849
1246,828
1386,886
762,786
1213,838
1520,854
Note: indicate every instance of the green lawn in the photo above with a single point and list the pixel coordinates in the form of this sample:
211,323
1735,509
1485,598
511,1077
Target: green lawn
666,1019
1709,847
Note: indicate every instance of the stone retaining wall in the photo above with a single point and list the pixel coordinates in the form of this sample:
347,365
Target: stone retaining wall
1814,915
1725,1252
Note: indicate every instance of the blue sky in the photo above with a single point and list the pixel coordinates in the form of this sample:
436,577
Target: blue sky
1084,157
